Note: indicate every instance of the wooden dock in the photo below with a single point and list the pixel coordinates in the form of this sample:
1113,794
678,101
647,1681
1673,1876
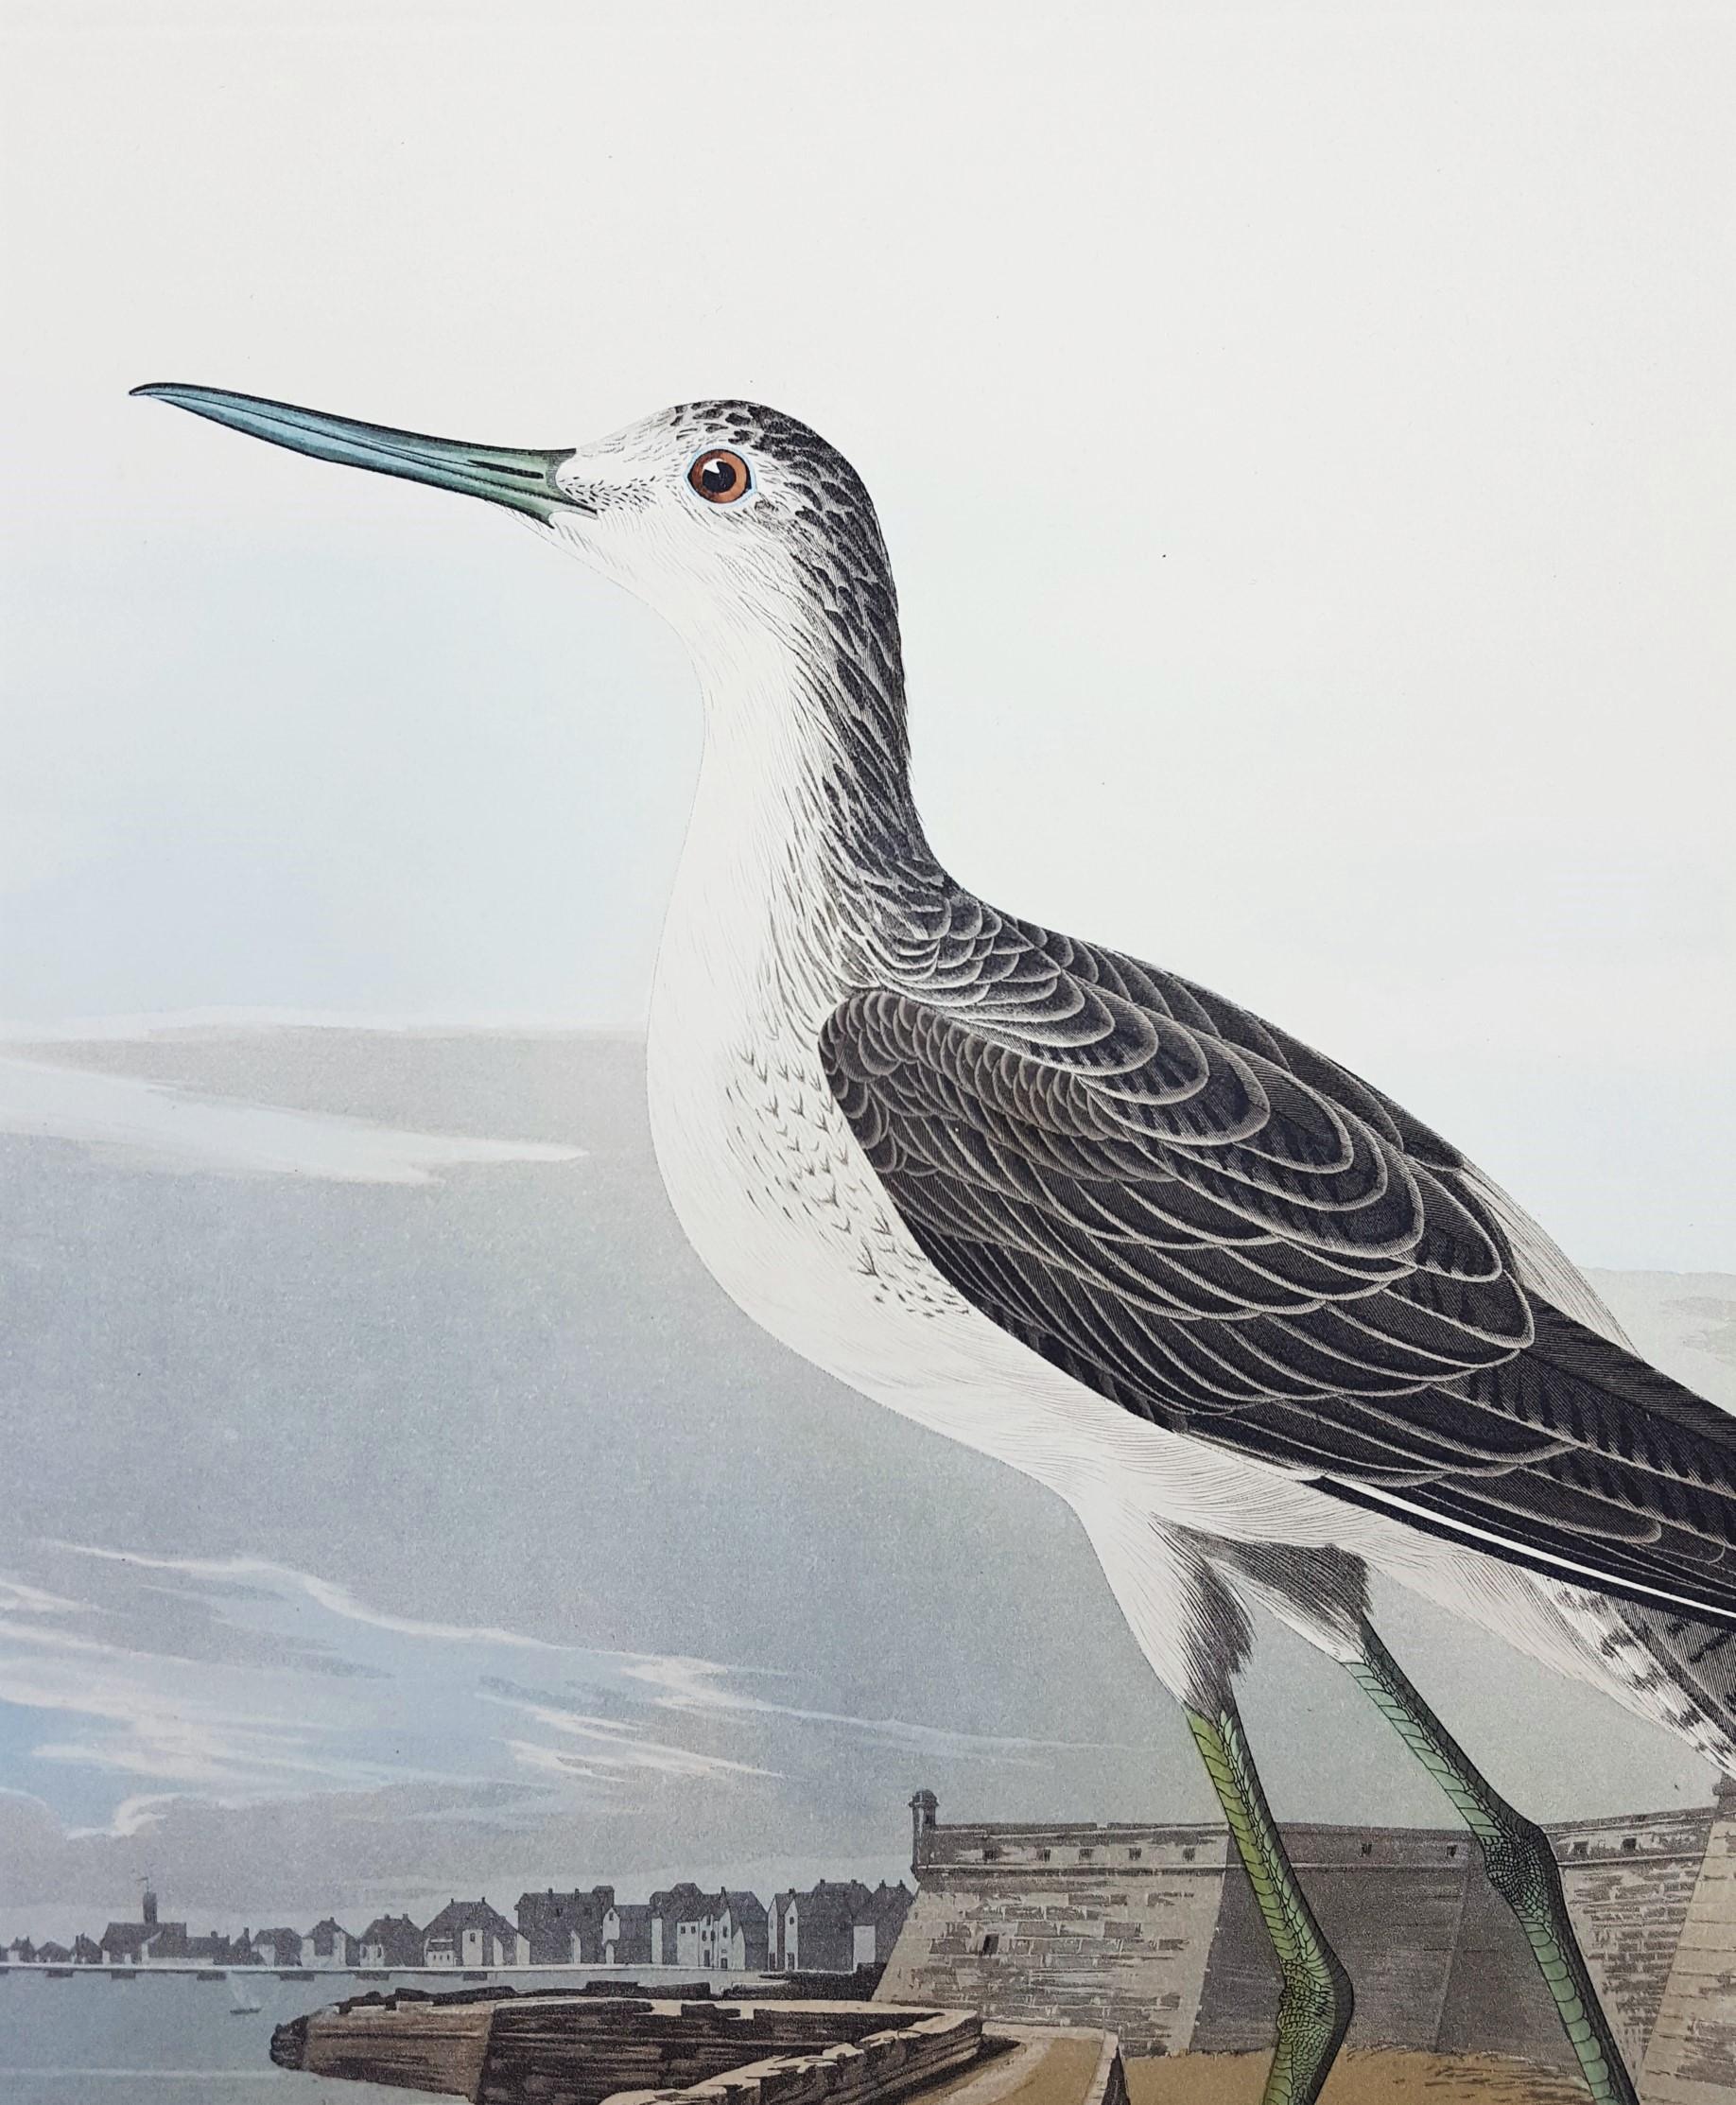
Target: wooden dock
556,2047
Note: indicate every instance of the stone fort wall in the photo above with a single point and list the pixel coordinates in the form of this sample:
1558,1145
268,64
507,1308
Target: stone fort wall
1151,1931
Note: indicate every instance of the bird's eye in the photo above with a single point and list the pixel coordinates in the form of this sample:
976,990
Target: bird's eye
721,476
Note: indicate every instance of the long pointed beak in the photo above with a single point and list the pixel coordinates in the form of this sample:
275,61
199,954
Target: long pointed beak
523,481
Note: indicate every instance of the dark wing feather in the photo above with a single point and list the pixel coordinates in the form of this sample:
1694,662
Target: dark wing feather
1230,1236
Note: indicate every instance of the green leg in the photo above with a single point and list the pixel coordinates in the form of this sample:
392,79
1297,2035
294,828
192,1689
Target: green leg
1314,2004
1521,1864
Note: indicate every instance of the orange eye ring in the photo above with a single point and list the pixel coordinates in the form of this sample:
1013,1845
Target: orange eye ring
721,476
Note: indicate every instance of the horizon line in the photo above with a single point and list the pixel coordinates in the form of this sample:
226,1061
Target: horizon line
213,1019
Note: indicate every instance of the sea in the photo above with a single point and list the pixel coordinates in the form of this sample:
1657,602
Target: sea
166,2038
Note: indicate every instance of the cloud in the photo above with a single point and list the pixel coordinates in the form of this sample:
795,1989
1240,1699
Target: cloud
287,1684
278,1720
153,1125
690,1685
16,1598
615,1749
680,1682
131,1713
327,1593
399,1698
240,1704
132,1816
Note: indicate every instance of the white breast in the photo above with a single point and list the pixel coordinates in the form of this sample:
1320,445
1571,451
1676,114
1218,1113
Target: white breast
785,1210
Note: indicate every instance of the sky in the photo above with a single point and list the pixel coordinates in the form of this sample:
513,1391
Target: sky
1304,439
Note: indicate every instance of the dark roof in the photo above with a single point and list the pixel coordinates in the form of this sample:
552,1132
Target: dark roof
745,1908
139,1936
463,1915
331,1926
835,1900
684,1900
575,1907
385,1926
637,1913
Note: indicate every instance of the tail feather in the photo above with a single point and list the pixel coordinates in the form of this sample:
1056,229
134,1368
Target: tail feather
1679,1672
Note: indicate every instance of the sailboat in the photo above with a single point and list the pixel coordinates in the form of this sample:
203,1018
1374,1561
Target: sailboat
244,2000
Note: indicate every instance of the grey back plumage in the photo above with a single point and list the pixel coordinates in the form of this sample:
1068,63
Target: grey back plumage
1229,1235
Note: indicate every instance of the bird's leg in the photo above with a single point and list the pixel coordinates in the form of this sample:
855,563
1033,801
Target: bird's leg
1315,2002
1520,1865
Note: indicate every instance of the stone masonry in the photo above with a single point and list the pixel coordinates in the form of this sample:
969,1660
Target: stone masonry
1151,1930
1692,2057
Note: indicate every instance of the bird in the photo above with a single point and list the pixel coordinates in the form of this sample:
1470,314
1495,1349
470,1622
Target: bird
1263,1330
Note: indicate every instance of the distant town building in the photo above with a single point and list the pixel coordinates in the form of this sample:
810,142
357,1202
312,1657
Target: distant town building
833,1928
329,1946
874,1929
391,1940
678,1915
626,1935
146,1943
836,1926
710,1932
215,1950
563,1929
471,1934
738,1933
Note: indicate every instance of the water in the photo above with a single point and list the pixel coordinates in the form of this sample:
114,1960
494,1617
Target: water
169,2039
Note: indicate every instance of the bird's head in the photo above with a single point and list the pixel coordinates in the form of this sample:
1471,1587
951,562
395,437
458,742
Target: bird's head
738,524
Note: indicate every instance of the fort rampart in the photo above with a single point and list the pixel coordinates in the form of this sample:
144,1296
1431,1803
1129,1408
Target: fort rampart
1151,1931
